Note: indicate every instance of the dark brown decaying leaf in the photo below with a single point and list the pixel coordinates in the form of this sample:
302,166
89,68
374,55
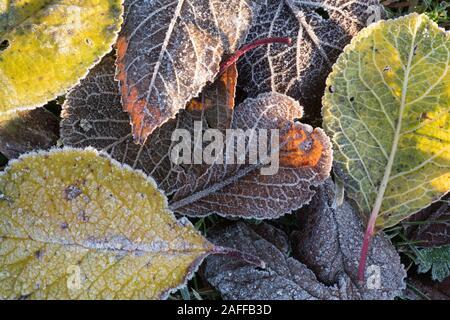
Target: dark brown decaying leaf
283,278
25,131
328,260
92,116
431,226
320,29
421,287
329,242
168,51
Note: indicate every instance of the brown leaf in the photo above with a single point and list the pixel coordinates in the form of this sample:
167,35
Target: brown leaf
169,50
24,131
305,161
92,116
328,248
329,242
431,226
216,101
320,29
284,277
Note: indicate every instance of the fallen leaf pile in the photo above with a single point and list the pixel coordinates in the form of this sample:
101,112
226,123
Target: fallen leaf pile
94,206
325,261
95,118
188,40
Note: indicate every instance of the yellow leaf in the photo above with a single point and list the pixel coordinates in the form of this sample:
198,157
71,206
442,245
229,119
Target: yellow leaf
47,47
387,108
77,225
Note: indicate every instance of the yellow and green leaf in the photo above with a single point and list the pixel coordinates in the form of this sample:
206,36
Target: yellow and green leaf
77,225
387,108
48,46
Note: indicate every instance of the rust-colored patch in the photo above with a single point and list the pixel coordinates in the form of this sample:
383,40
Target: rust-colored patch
136,108
122,47
302,149
146,118
216,102
229,81
224,86
195,105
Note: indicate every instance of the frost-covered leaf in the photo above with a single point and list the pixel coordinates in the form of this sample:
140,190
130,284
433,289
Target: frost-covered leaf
387,110
420,287
304,163
24,131
431,226
76,225
216,101
284,277
47,46
435,259
329,243
169,50
92,116
320,29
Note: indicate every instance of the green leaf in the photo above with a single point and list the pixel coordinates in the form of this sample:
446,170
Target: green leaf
387,109
48,46
78,225
437,259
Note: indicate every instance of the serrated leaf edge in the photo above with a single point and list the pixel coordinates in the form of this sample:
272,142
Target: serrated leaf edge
194,266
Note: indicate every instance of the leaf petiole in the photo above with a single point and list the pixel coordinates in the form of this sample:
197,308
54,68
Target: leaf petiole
235,57
239,255
368,235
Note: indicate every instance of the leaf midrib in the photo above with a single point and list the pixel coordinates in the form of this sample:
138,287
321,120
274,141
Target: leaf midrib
387,173
139,247
164,46
188,200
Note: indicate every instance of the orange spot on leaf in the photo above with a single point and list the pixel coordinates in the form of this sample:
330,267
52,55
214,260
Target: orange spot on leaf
225,85
195,105
302,148
142,125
